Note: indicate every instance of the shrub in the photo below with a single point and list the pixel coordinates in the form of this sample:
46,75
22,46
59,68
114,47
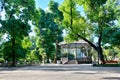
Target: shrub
70,56
2,60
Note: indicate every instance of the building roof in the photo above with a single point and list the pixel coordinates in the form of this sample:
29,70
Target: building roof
80,41
74,44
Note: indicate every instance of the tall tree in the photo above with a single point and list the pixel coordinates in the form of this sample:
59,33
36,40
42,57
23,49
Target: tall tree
15,24
49,29
95,17
58,17
45,42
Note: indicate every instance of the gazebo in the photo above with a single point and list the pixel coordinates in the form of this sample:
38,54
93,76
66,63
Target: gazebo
80,49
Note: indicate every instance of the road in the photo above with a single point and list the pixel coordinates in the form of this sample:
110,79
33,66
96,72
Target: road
60,72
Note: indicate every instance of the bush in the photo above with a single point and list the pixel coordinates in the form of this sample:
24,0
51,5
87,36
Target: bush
2,60
70,56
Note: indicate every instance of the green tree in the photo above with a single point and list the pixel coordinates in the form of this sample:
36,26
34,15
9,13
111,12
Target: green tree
112,52
50,30
33,52
20,52
18,14
98,15
111,36
58,17
46,33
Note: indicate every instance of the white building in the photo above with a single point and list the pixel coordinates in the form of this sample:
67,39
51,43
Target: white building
80,49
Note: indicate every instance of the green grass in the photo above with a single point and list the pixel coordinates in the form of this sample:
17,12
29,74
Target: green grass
106,65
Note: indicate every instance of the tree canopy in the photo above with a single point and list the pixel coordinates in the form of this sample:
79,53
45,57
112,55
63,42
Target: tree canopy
98,15
49,29
15,25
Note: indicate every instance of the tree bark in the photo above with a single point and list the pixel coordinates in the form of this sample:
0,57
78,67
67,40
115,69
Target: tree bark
100,55
48,58
13,53
56,53
89,42
100,50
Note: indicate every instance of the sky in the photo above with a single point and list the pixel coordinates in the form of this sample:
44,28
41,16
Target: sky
44,3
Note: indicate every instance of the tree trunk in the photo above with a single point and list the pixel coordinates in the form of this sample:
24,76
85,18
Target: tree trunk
100,51
56,53
48,58
97,48
100,55
13,53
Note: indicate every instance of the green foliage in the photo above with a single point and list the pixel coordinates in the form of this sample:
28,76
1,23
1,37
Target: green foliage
106,65
97,16
30,57
112,53
111,36
23,9
53,6
18,13
49,29
79,23
16,26
26,43
34,56
7,51
70,56
46,32
1,52
32,52
2,60
0,37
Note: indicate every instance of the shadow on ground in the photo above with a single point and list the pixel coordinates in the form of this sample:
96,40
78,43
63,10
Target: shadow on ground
83,73
111,78
73,67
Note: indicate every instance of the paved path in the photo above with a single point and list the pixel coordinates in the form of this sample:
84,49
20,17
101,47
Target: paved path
61,72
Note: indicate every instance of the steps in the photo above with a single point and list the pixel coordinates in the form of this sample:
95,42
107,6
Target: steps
72,62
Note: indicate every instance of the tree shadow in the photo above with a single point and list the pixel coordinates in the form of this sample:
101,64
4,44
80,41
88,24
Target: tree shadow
78,67
83,73
111,78
8,68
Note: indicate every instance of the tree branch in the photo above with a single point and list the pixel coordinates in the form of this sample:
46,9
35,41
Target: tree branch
89,42
71,27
